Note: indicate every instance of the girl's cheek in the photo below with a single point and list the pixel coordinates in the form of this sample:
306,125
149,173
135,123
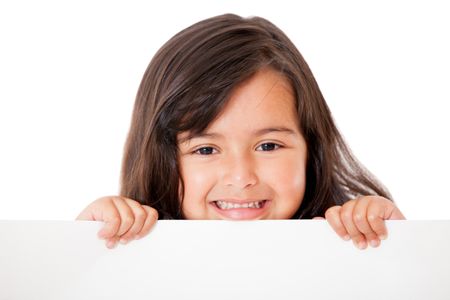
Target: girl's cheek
198,180
288,179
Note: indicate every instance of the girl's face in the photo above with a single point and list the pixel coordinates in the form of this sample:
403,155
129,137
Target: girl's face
250,162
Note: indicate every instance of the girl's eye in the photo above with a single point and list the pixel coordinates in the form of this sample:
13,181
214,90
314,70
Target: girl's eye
268,147
205,151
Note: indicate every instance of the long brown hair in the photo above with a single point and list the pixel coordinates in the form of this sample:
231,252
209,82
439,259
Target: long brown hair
187,84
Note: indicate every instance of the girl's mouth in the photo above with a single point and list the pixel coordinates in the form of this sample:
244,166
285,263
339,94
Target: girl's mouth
241,210
232,205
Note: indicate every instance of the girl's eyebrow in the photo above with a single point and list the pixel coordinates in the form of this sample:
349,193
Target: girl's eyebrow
257,132
273,129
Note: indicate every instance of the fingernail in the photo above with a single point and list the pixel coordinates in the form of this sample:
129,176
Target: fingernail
111,244
383,237
374,243
123,241
346,237
361,245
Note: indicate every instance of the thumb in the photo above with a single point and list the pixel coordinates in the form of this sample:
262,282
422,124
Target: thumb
96,211
86,215
392,212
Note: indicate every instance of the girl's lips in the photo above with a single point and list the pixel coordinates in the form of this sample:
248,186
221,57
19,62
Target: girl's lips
242,213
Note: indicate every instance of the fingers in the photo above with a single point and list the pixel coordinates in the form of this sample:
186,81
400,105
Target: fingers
333,216
144,219
133,219
362,220
375,216
365,225
127,217
124,219
152,217
136,220
341,220
108,212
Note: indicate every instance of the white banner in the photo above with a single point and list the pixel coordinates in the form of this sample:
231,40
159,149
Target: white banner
288,259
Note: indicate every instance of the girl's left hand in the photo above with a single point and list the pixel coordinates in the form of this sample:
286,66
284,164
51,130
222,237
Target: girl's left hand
362,219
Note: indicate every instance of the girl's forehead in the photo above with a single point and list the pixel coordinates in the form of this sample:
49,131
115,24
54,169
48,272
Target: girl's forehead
266,96
262,83
263,103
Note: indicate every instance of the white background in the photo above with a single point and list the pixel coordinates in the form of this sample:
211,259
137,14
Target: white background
69,72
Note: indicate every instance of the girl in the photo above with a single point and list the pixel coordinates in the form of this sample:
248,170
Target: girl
229,123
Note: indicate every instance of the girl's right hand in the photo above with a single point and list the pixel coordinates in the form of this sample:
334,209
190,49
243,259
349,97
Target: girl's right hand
125,219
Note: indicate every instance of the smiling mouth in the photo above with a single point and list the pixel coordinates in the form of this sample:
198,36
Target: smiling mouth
224,205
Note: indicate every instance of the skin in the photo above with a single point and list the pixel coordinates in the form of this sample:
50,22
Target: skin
238,163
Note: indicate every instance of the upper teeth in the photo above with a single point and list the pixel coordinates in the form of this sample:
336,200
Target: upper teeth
229,205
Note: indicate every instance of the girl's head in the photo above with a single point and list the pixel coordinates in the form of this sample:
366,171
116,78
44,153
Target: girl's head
229,113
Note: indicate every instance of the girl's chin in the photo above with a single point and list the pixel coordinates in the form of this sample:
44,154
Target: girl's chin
250,213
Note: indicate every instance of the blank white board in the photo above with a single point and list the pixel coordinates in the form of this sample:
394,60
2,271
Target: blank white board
287,259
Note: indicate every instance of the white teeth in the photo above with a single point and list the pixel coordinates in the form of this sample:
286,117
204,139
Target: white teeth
228,205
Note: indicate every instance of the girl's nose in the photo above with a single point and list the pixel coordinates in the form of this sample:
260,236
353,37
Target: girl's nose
239,171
